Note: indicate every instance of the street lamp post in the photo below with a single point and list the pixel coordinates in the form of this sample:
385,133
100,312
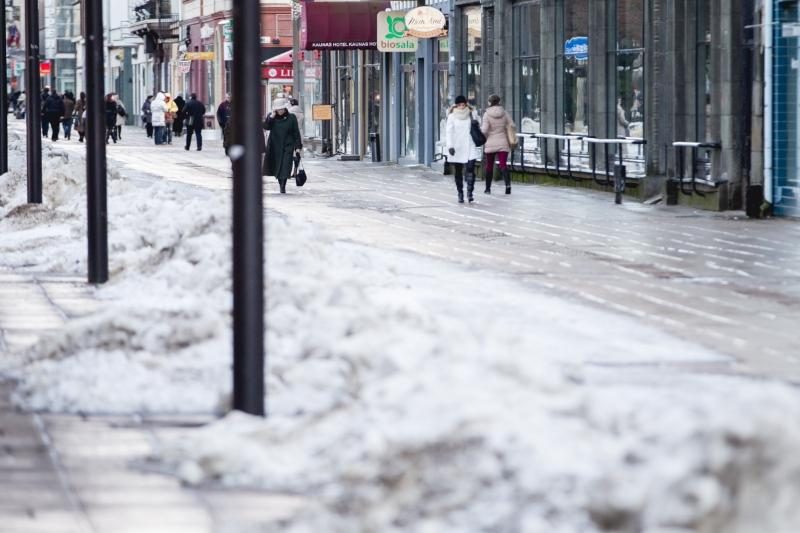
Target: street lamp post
33,102
96,190
4,95
248,212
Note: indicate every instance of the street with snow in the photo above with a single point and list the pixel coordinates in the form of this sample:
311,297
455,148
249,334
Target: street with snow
540,362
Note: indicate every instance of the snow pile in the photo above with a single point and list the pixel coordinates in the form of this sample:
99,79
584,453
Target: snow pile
160,342
405,394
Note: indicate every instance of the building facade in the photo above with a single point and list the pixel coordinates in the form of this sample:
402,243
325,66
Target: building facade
669,94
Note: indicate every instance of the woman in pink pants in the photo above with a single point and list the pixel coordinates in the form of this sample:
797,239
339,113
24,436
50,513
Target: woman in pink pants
496,122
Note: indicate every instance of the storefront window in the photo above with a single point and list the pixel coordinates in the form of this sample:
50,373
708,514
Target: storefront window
373,75
472,24
527,97
409,104
630,68
576,67
703,66
442,89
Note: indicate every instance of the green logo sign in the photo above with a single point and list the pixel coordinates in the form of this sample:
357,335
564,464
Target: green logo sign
397,27
392,33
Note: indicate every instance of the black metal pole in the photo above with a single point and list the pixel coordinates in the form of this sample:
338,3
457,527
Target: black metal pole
4,96
248,212
96,193
33,99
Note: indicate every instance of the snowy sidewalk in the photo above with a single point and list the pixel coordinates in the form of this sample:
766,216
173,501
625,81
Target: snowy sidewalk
433,368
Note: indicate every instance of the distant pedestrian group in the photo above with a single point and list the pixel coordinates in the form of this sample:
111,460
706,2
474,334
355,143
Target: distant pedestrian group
63,114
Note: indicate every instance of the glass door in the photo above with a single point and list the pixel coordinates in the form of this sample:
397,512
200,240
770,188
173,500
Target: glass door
409,105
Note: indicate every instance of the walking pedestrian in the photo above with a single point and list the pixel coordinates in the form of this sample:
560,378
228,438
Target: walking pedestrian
224,112
69,110
195,112
54,112
45,96
122,116
158,111
147,116
177,126
283,144
461,147
80,123
496,126
110,116
169,117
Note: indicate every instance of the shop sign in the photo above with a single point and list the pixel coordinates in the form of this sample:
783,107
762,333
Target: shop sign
392,33
45,68
227,40
199,56
425,22
321,112
277,73
578,48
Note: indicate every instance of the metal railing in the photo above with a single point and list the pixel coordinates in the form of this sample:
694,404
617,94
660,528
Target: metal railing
680,166
619,175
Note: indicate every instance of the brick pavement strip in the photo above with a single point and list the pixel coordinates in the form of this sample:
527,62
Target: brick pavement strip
73,474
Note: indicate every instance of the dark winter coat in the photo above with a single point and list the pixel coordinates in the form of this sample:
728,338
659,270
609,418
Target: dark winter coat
223,113
54,106
111,114
147,113
177,126
284,139
197,110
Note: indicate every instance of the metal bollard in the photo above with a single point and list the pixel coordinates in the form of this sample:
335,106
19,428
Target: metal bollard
375,146
619,182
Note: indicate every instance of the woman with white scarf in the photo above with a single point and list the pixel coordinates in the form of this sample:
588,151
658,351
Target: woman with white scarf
460,146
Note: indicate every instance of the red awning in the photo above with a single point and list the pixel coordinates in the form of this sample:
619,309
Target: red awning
281,60
340,25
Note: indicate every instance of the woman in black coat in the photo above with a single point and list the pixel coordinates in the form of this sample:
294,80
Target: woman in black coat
177,125
111,118
283,144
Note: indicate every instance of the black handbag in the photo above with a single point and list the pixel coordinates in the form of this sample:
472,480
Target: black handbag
300,173
477,135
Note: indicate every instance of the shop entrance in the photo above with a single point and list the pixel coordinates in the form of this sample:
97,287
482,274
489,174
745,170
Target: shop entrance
409,107
344,110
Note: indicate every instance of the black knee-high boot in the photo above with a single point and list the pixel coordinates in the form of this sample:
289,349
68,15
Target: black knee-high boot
488,178
460,187
282,183
507,179
470,184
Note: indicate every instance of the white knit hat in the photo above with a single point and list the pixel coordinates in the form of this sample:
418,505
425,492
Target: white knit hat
280,103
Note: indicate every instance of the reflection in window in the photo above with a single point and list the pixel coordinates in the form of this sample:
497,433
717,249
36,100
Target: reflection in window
527,98
629,101
472,24
442,88
630,68
703,66
576,67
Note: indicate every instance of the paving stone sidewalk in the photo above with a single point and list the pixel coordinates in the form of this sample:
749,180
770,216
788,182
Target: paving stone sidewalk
73,474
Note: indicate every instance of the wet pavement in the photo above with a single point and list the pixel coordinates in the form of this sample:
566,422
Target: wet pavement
719,279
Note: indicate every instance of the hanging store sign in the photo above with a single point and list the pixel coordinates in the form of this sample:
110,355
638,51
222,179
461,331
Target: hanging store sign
227,40
425,22
321,112
392,33
277,73
340,25
199,56
578,48
45,68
